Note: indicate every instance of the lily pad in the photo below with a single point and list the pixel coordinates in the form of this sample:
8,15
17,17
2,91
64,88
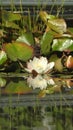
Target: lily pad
10,25
10,16
62,44
46,42
18,51
45,16
58,65
27,38
3,57
57,25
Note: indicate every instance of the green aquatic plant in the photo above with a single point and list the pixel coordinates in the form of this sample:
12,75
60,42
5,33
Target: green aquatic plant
23,37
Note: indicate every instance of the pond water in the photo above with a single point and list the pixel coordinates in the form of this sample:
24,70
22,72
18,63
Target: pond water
36,103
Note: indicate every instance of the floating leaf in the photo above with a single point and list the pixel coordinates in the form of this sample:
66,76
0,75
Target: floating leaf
18,51
62,44
58,65
3,57
20,87
46,42
10,16
27,38
53,58
57,25
10,25
45,16
8,19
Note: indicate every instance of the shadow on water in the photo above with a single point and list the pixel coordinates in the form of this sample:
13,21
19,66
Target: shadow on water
26,104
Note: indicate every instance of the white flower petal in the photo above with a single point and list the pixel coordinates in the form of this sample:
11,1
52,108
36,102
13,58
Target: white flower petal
40,65
49,66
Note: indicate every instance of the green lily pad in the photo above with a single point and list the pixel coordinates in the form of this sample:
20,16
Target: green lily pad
46,42
45,16
18,51
57,25
27,38
58,65
62,44
3,57
10,16
10,25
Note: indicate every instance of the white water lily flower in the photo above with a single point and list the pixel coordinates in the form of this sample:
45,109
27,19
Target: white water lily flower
39,82
40,65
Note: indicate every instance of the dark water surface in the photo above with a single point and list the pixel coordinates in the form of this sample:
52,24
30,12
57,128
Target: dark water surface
25,106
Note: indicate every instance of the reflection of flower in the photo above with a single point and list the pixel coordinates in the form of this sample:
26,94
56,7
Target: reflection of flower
40,65
39,82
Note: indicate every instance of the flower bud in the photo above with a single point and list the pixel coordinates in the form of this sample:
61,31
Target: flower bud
69,62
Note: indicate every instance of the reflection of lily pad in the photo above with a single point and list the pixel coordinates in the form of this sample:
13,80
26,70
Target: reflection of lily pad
42,94
20,87
2,82
18,51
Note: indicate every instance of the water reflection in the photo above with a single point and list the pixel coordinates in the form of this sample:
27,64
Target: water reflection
31,103
33,118
44,84
40,82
